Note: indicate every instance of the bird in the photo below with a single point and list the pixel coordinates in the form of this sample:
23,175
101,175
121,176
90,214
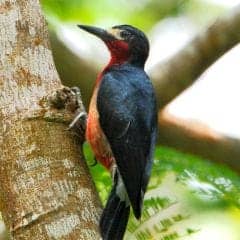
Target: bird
122,124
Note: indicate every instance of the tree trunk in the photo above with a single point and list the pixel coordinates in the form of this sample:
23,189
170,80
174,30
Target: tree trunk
46,190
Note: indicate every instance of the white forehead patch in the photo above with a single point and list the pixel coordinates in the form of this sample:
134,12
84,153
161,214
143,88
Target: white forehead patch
116,33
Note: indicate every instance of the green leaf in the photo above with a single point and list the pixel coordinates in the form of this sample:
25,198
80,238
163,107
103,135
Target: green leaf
181,185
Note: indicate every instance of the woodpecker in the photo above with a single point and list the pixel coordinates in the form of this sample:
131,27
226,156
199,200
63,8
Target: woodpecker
122,124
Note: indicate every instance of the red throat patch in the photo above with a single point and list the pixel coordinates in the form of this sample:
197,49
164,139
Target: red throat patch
94,134
119,52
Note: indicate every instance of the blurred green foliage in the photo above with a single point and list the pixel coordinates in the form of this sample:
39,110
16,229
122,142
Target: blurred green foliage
216,182
207,180
100,175
204,186
142,13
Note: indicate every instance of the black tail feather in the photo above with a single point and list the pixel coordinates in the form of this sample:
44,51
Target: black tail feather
114,218
122,224
109,210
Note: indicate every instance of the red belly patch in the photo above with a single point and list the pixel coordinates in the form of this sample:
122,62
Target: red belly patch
96,137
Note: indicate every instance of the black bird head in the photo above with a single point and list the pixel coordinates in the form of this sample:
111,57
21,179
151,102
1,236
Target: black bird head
126,43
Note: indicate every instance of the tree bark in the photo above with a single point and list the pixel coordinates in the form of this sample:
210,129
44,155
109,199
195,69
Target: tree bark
46,190
172,77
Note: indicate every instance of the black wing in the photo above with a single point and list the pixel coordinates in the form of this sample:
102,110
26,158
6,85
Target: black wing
127,111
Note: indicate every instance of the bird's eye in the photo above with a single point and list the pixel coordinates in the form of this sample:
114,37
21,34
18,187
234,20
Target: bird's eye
124,34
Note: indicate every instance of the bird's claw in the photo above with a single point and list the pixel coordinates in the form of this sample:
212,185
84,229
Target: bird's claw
68,101
79,117
78,124
94,163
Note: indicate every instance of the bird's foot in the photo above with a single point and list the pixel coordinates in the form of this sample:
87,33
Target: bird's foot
67,98
94,163
79,121
65,105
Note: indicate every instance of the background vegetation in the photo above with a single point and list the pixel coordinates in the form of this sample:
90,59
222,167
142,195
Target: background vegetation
188,197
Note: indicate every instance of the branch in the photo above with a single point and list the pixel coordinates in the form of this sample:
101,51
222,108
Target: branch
196,138
46,189
171,77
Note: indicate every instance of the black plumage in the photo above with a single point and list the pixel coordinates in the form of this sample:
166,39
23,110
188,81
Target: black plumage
115,216
127,111
123,124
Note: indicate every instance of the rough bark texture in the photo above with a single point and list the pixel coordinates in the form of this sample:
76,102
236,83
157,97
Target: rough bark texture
46,191
170,78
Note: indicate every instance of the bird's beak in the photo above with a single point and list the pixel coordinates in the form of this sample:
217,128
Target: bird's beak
99,32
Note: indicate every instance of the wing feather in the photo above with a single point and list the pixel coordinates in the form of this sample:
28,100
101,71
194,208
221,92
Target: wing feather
127,111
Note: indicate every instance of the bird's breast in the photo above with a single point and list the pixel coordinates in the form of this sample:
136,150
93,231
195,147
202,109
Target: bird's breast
95,136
